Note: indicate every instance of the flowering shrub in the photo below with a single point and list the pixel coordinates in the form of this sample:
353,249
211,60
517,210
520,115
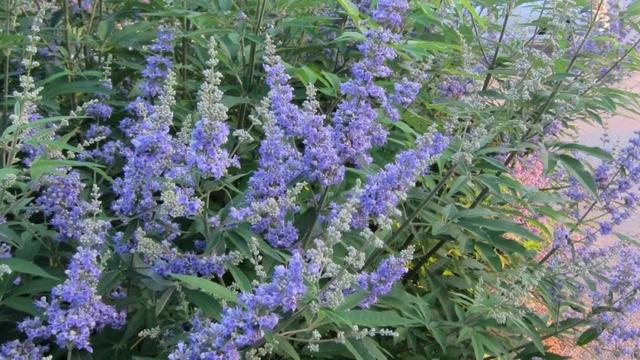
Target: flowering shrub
315,179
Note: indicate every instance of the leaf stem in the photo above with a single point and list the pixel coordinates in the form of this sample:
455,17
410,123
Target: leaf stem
487,79
323,200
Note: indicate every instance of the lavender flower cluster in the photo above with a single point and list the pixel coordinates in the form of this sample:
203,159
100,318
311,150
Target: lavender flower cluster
246,323
75,310
617,262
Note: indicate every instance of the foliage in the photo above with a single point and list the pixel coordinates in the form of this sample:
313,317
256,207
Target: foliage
315,179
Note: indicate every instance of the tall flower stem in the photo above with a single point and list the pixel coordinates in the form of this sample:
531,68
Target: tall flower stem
549,100
538,114
612,67
67,35
409,220
579,222
185,48
323,200
7,58
252,58
487,79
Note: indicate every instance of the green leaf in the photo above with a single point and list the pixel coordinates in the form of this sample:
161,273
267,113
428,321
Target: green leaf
225,5
26,267
352,349
591,150
351,9
208,287
84,86
285,348
370,347
351,36
490,255
633,9
21,303
240,278
41,166
478,348
204,302
577,170
377,318
503,225
587,336
164,299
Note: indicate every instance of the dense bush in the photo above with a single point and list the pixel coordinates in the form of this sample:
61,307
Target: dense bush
315,179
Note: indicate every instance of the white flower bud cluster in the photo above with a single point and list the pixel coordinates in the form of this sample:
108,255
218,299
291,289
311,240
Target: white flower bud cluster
4,270
259,353
333,295
152,333
355,258
256,261
92,231
8,181
358,333
210,104
243,136
29,95
171,204
184,135
471,139
263,115
106,72
531,71
311,104
271,207
147,247
166,100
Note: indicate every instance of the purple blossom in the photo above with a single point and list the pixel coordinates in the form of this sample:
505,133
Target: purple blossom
207,152
163,41
95,131
320,158
380,281
560,236
279,164
390,13
22,350
99,110
60,199
75,309
383,191
172,262
80,5
246,323
155,72
406,92
287,115
354,122
157,66
5,250
455,87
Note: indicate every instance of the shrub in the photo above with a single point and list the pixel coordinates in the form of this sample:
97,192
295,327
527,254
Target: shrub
310,179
